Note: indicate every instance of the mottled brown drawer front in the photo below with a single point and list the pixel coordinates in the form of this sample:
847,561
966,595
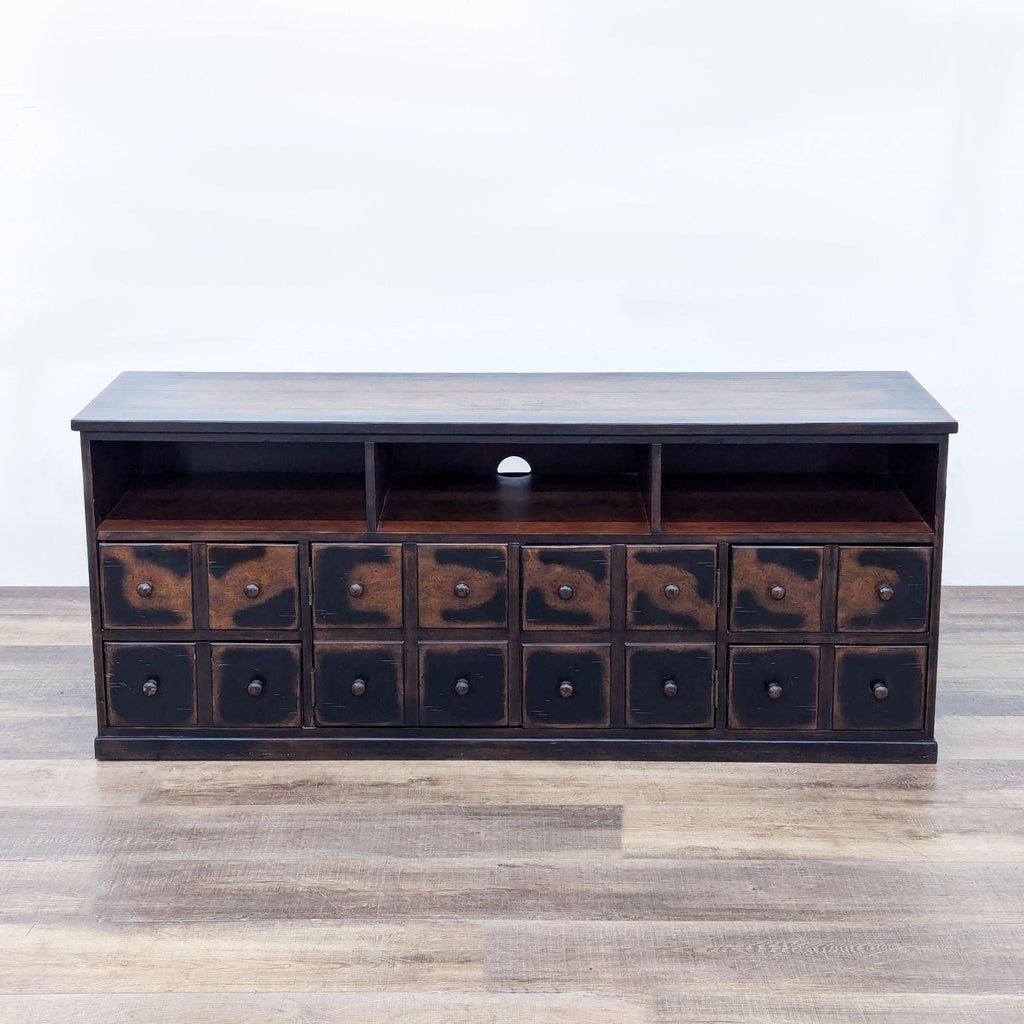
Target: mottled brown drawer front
670,685
566,685
566,587
146,585
884,589
461,585
670,587
773,687
776,588
253,586
463,684
359,684
879,688
357,585
150,685
255,684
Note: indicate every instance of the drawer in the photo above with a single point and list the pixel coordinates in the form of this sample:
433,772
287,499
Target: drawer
566,685
883,589
879,688
773,687
359,683
147,585
253,586
357,585
461,585
463,684
566,587
776,588
255,684
150,685
670,685
670,587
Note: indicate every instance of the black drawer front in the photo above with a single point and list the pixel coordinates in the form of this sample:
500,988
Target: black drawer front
566,685
147,585
463,684
359,684
566,587
883,589
670,685
357,585
773,687
150,685
879,688
776,588
256,684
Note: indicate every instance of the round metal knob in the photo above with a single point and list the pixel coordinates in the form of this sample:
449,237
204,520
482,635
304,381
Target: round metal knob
670,689
358,687
150,686
566,689
777,592
356,590
880,690
461,589
565,592
255,688
251,590
774,690
462,687
672,590
885,592
144,589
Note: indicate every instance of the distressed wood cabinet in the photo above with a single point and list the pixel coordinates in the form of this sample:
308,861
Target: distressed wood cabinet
685,566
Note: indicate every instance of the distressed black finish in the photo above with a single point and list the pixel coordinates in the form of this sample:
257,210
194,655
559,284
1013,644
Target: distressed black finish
860,701
884,589
235,667
463,684
754,672
169,669
342,667
670,685
566,685
697,566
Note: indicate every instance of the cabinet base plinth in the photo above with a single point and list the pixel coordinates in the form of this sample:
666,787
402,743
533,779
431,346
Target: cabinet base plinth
194,748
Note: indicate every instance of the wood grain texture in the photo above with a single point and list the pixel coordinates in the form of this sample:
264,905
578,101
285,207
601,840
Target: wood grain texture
515,402
488,892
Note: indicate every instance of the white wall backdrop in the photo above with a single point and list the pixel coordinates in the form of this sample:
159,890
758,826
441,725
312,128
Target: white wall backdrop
271,184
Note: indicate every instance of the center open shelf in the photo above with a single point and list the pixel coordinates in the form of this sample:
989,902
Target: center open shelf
569,489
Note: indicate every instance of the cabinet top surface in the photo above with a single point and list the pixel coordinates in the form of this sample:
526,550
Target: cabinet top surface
535,403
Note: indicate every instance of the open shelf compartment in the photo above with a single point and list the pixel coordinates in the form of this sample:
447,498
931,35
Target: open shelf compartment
808,488
228,487
586,488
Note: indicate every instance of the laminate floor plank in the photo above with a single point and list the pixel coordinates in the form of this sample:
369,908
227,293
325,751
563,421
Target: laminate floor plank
424,892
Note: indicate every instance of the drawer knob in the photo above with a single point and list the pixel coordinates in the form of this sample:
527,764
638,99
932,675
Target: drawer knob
356,590
885,592
358,687
672,590
461,589
462,687
566,689
150,686
777,592
255,688
670,689
144,589
879,689
251,590
774,690
565,592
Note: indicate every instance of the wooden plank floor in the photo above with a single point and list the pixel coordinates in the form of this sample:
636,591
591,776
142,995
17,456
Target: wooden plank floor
493,892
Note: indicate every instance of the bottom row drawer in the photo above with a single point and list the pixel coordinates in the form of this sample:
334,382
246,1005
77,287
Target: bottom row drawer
564,685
